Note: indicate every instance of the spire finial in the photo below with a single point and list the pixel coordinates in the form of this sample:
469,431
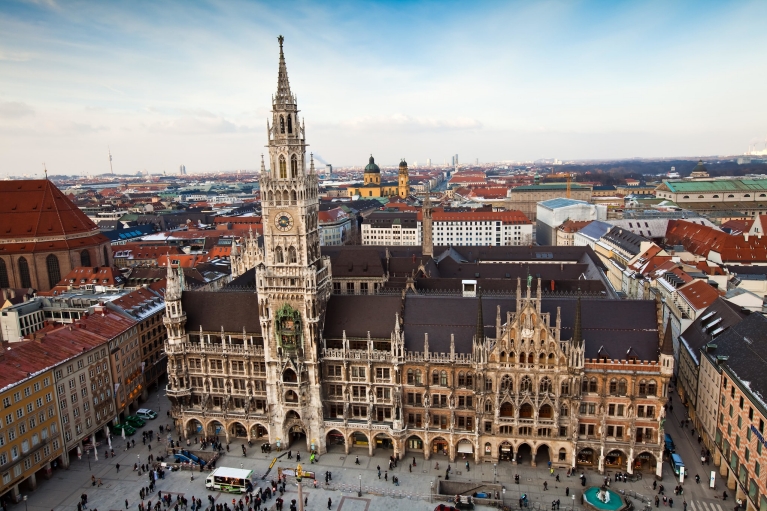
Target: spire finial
281,40
45,170
283,86
311,164
263,168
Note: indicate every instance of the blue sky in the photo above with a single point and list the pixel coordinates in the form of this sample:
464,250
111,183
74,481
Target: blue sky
165,83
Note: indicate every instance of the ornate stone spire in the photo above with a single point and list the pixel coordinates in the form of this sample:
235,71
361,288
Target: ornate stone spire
283,85
577,331
667,347
480,335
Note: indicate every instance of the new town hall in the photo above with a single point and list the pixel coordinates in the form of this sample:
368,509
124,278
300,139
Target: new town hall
523,354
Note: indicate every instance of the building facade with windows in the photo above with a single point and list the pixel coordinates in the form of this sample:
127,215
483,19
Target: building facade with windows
30,439
548,368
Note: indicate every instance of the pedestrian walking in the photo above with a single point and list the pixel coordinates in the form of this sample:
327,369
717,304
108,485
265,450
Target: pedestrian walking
330,502
117,467
545,485
126,503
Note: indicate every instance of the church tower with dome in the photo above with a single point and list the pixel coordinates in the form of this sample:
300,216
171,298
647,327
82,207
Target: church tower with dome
372,186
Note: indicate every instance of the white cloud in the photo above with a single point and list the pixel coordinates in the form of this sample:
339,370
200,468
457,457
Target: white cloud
400,122
15,110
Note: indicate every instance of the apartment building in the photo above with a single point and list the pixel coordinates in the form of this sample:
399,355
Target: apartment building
480,228
394,228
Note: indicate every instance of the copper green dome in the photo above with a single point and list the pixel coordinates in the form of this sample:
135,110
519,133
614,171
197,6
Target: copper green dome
371,167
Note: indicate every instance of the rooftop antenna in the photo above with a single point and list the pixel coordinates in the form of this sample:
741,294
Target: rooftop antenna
45,170
110,161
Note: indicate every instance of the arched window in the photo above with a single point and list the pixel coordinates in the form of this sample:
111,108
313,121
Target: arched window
526,411
545,412
435,378
283,168
282,124
293,166
291,397
85,258
507,383
622,387
461,379
526,385
651,389
290,124
613,386
106,256
715,196
747,195
593,385
488,406
642,388
565,390
26,282
285,197
54,273
270,196
4,275
469,380
278,255
443,378
731,196
522,358
529,358
289,376
700,196
418,380
545,385
292,255
563,411
507,410
410,377
293,197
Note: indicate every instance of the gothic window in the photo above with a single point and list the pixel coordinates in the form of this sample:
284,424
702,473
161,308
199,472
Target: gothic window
503,356
285,197
545,412
488,384
542,360
545,385
291,397
26,282
522,358
54,273
469,380
593,385
563,411
270,196
289,376
642,388
410,375
526,385
278,255
3,275
585,386
507,383
551,361
293,197
651,388
613,386
292,255
530,358
461,379
622,387
282,124
565,390
293,166
443,378
507,410
290,124
283,168
106,256
526,411
488,406
85,258
435,378
512,357
418,380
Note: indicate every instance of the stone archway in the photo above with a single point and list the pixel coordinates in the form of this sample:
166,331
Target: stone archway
358,439
586,457
193,427
525,454
465,448
295,433
414,443
335,441
215,428
259,432
237,430
616,459
383,441
505,451
646,462
440,446
543,454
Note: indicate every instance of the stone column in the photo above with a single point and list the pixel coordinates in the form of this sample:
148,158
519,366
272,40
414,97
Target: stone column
630,462
659,467
732,482
32,482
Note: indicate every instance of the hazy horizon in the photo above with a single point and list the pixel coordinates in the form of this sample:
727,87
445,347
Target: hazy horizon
190,82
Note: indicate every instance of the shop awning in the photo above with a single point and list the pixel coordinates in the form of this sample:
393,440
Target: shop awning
465,447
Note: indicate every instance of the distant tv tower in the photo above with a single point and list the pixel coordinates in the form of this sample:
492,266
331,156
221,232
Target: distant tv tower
110,161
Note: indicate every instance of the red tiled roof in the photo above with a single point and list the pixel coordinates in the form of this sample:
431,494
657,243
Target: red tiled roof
36,208
702,240
332,215
738,226
574,225
699,294
509,216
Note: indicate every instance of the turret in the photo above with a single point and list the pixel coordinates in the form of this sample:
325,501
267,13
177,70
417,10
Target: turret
427,243
666,355
577,344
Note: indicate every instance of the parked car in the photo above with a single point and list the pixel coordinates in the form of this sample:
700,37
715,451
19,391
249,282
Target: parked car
134,421
117,429
146,414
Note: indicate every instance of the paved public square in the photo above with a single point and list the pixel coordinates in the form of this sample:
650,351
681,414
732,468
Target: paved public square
63,490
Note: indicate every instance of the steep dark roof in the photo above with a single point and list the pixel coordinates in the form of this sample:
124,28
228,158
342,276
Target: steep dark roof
718,318
625,239
232,310
358,314
667,347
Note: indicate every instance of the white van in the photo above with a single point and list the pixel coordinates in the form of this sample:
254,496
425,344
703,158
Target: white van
232,480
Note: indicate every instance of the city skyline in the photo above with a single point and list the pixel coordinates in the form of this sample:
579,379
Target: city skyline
190,83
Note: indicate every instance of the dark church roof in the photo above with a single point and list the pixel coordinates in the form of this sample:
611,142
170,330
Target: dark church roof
231,310
616,325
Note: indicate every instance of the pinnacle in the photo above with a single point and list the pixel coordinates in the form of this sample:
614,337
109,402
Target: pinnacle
283,85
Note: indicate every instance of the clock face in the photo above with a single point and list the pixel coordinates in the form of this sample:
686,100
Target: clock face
284,221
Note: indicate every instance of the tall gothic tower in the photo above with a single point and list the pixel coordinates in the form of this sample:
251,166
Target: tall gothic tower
292,278
403,184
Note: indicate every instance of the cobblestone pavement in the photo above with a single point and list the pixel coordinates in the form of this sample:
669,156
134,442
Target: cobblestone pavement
63,490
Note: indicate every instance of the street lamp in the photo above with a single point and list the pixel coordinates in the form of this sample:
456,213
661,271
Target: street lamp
431,495
88,455
495,472
26,508
503,497
360,492
139,463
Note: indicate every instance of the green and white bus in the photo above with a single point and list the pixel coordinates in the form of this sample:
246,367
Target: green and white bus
232,480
